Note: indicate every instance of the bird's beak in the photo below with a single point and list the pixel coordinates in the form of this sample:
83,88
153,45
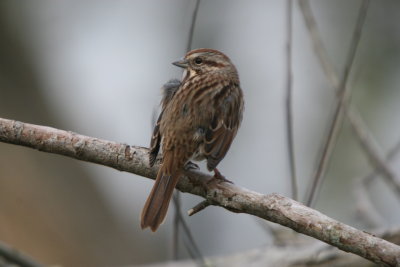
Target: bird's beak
183,63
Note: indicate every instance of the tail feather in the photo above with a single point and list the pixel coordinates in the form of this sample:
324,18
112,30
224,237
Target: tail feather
156,207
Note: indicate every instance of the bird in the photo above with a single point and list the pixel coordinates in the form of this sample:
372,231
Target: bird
200,116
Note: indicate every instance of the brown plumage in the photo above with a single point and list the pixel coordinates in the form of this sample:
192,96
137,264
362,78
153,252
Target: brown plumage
199,120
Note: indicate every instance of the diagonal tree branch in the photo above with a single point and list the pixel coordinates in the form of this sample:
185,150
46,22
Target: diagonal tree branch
373,151
273,207
343,94
360,130
363,203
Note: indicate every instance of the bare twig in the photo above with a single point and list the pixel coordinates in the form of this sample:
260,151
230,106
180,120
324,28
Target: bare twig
273,207
16,258
192,247
373,151
192,25
328,146
391,154
318,45
365,209
330,73
343,91
363,202
289,106
196,253
189,249
199,207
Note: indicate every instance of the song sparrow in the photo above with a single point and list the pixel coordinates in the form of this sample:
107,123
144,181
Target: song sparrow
199,119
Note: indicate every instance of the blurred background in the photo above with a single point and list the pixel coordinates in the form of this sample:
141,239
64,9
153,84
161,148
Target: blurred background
95,67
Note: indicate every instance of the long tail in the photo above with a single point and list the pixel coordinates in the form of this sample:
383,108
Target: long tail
156,207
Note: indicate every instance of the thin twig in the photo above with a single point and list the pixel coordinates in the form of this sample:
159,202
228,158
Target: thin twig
192,247
199,207
289,105
273,207
344,92
318,45
328,146
189,249
192,26
373,151
196,251
177,200
363,202
391,154
360,133
365,209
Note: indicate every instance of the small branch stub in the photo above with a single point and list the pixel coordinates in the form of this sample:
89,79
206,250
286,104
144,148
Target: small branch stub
199,207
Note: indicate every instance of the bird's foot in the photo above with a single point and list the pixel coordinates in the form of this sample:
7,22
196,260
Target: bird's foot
191,166
218,178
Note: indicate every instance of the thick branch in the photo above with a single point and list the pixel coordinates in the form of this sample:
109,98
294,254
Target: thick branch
271,207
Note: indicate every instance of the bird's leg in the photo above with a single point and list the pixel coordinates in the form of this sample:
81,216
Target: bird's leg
219,178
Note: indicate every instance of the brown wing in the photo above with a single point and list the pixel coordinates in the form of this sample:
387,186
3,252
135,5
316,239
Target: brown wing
169,89
155,141
224,125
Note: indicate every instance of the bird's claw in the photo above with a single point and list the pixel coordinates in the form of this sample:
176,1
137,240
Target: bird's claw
191,166
218,178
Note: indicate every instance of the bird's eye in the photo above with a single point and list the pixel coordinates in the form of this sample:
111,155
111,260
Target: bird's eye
198,60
